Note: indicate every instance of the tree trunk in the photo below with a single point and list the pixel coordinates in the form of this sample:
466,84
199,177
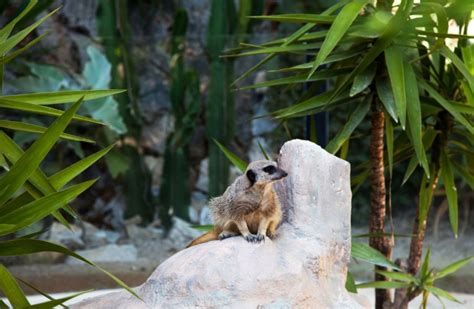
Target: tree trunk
377,198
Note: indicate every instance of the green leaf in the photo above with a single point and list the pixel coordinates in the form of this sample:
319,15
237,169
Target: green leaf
38,109
300,78
289,40
307,105
350,283
459,64
363,80
396,71
365,252
414,116
31,128
385,94
42,207
59,97
355,118
410,169
425,265
6,30
397,276
441,293
341,24
38,291
19,51
38,179
383,285
451,192
264,153
28,246
10,288
30,161
277,49
298,18
56,302
452,268
236,161
64,176
12,41
446,105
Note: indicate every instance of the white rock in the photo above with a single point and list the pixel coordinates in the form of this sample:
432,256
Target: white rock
62,235
107,254
304,267
202,183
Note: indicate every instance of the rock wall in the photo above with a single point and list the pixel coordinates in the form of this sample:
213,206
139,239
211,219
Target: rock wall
303,267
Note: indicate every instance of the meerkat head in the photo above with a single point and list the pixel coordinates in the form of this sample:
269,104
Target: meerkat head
263,172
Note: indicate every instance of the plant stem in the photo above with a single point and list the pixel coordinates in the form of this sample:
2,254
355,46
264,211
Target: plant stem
378,196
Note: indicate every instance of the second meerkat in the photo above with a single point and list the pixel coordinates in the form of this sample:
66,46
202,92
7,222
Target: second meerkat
249,207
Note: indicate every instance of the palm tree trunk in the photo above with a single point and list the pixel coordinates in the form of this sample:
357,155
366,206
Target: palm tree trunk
377,197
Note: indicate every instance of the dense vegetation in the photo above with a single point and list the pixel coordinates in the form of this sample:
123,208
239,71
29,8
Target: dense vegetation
391,83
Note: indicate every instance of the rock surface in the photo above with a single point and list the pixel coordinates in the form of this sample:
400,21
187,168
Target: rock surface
303,267
107,254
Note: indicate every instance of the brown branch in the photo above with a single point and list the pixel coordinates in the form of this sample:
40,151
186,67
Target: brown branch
377,198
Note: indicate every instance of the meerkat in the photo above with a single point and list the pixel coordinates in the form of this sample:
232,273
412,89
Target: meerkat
249,207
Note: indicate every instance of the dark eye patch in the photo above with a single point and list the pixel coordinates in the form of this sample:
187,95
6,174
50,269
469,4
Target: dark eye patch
269,169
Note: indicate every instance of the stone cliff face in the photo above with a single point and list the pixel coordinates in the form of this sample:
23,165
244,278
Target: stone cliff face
303,267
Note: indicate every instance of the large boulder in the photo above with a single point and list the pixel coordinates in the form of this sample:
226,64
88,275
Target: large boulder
305,266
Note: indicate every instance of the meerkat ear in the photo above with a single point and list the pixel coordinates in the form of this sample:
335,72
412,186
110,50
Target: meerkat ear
252,177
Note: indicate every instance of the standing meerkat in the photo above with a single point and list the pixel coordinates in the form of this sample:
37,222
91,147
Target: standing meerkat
249,207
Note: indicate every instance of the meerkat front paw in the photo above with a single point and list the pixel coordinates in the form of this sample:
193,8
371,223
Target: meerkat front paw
251,238
260,237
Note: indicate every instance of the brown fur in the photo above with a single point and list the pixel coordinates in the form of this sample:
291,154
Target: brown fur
251,209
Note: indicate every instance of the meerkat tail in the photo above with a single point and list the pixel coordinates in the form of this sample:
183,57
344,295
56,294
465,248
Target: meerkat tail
209,236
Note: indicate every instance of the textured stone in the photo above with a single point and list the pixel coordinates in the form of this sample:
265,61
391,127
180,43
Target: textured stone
303,267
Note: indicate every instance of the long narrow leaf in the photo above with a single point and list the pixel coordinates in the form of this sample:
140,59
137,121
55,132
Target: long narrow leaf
441,293
6,30
298,18
383,285
31,128
56,302
364,252
59,97
41,208
451,192
10,288
452,268
236,161
28,246
343,21
413,111
64,176
37,109
355,118
12,41
395,67
32,158
446,105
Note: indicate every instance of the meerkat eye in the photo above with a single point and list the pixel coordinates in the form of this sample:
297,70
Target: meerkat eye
269,169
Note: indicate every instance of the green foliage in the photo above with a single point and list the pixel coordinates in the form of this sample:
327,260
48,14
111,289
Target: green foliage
424,88
185,103
28,195
423,283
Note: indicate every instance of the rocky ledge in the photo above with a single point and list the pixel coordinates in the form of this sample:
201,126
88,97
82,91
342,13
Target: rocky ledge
305,266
